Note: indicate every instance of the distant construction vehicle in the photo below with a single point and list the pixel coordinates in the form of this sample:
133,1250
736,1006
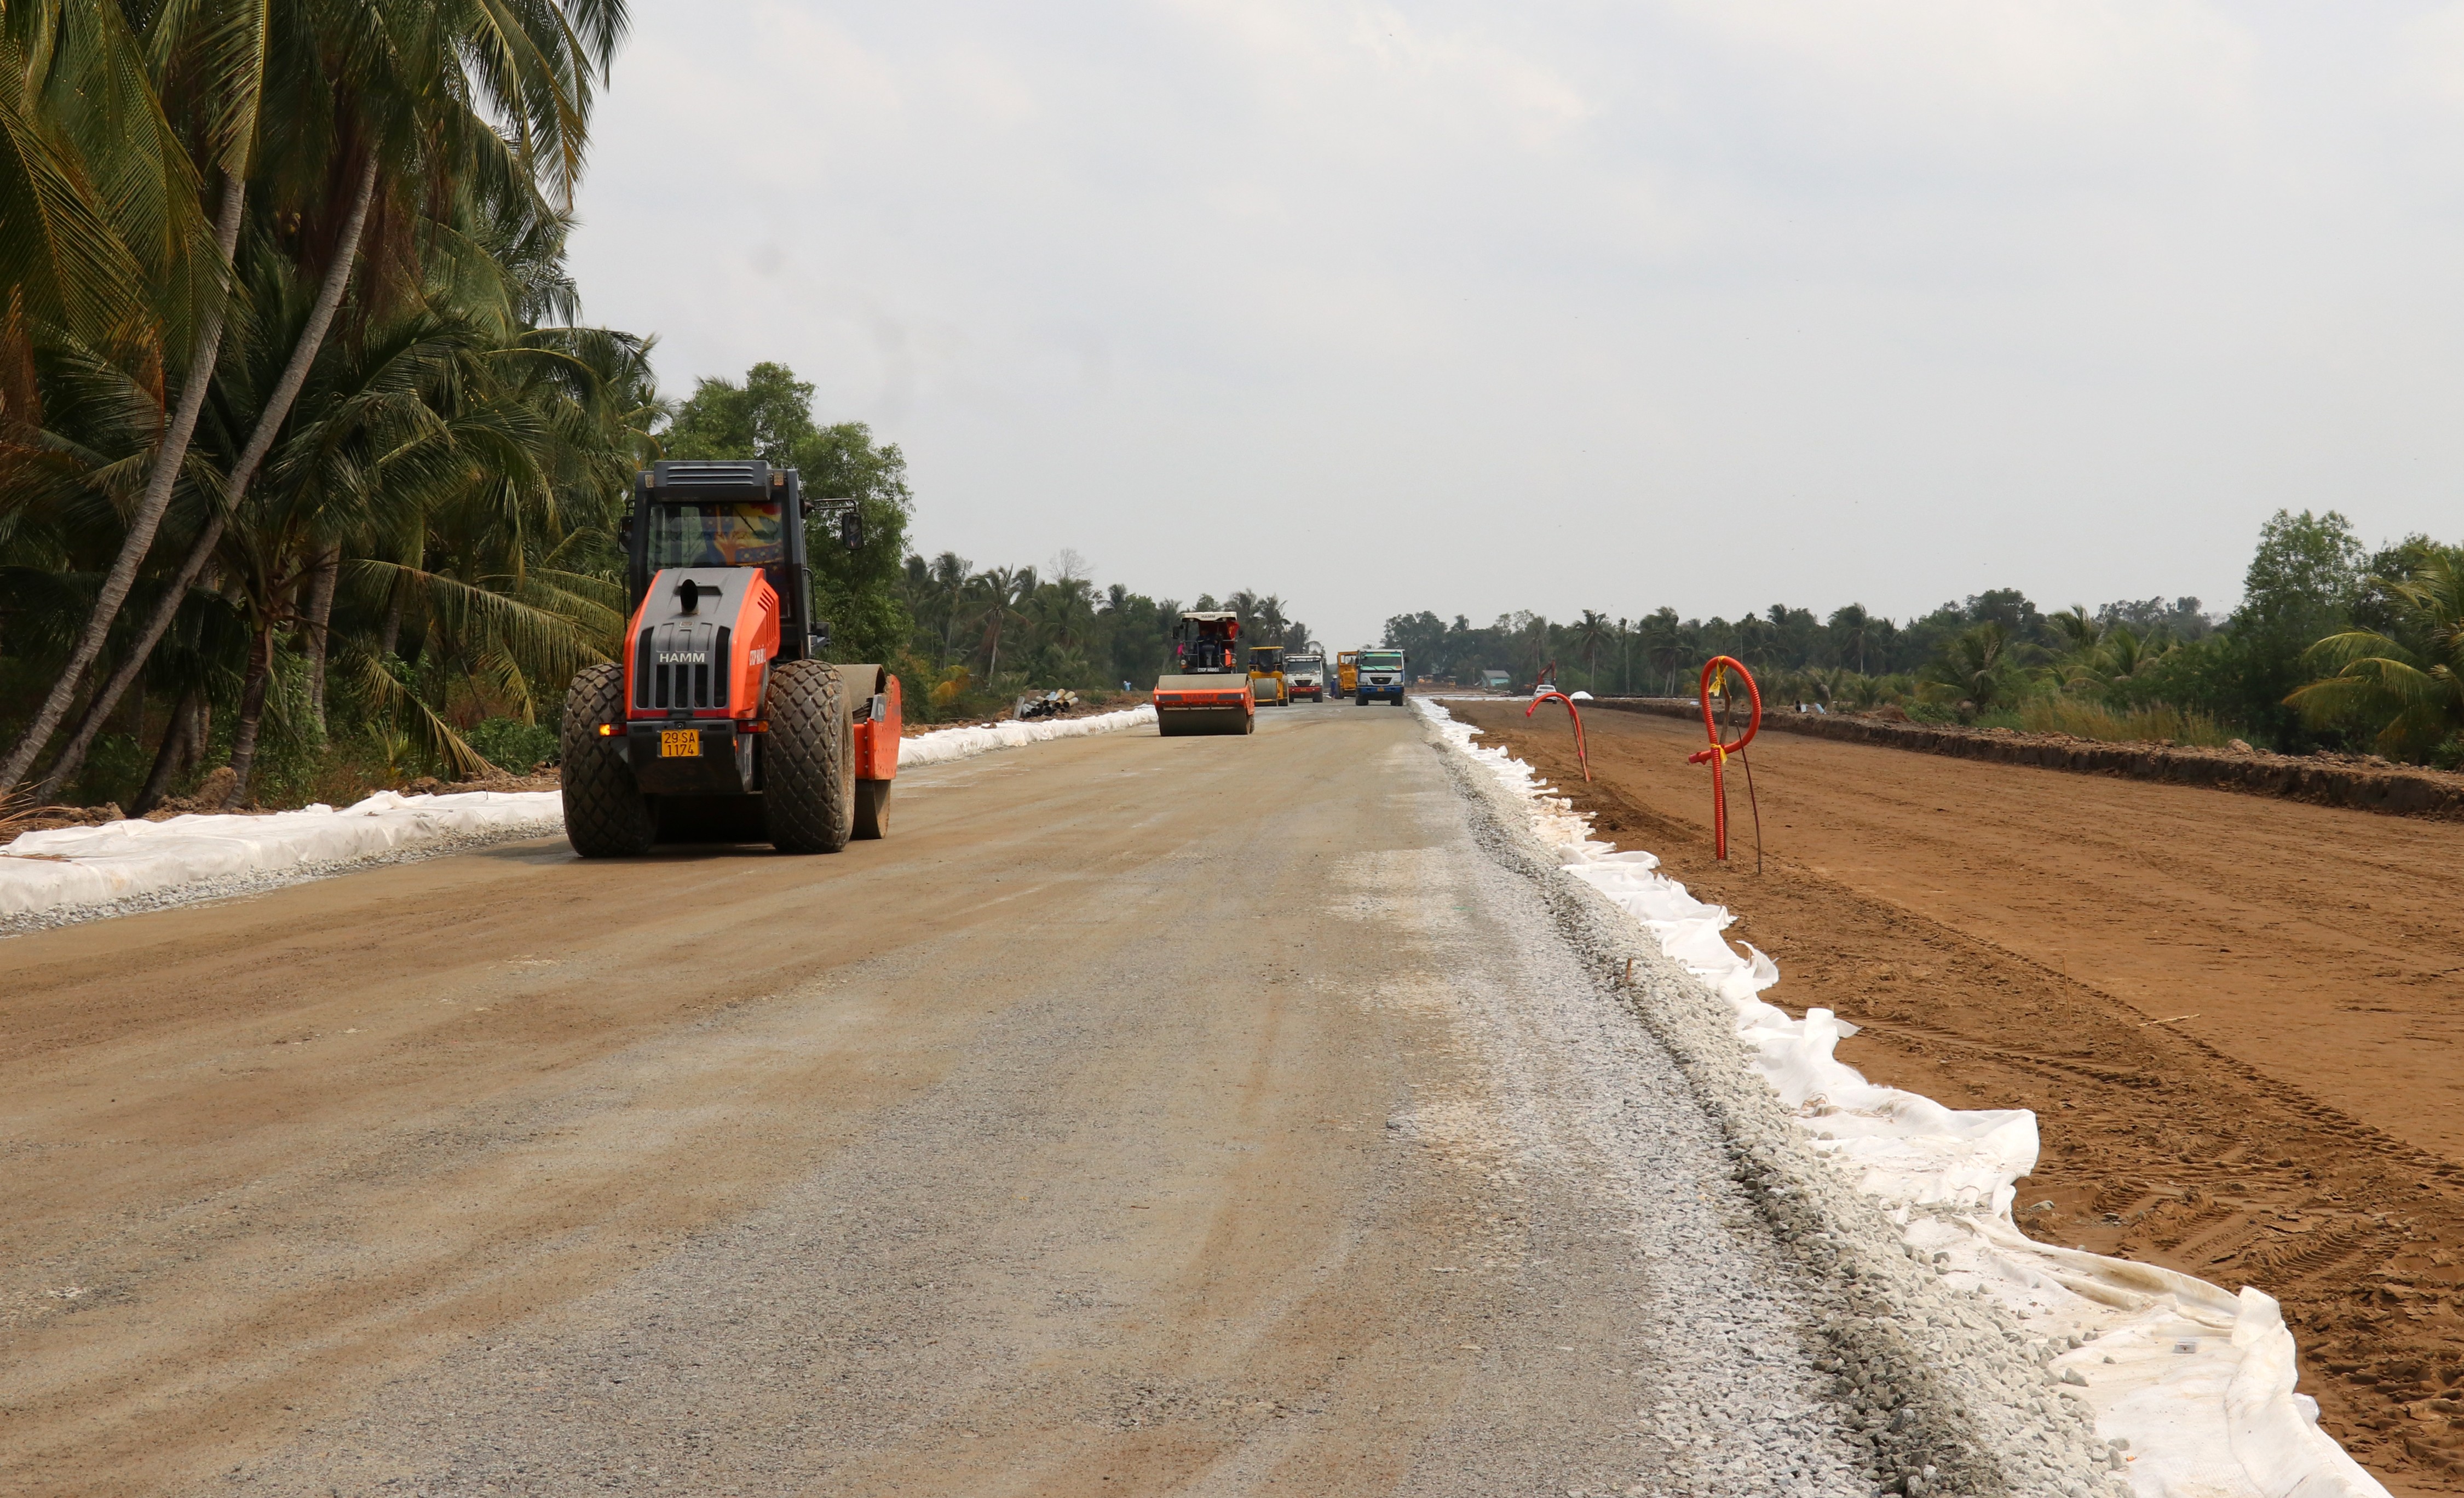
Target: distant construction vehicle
1267,682
1382,677
1496,681
1305,674
725,722
1207,690
1347,673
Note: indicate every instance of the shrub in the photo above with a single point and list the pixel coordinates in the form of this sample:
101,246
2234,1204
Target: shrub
512,745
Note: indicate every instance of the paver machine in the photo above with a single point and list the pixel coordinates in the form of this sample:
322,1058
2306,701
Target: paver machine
726,721
1207,690
1267,683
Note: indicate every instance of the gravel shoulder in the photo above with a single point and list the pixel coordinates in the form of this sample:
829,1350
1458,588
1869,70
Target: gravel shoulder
1124,1123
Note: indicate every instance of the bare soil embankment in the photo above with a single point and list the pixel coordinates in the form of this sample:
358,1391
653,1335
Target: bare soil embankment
2361,782
2236,1018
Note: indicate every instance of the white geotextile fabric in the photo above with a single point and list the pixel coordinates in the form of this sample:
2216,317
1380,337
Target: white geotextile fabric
70,867
2199,1381
944,744
66,868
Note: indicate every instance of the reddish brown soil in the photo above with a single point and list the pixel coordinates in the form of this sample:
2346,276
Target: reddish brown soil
2236,1018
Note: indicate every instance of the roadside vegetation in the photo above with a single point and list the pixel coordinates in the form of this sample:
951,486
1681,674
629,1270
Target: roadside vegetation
306,457
311,469
2333,647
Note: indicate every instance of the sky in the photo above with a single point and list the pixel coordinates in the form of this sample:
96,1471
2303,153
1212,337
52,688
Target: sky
1549,307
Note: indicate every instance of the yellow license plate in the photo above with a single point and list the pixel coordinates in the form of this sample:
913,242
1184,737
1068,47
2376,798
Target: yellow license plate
679,744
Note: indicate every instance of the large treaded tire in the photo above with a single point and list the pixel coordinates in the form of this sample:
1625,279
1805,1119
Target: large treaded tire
606,814
807,780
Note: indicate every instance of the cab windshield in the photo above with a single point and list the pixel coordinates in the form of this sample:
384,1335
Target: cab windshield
1381,660
716,535
1293,663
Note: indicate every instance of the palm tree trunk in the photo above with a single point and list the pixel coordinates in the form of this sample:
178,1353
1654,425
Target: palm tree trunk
321,611
269,422
72,756
167,760
145,520
252,713
390,635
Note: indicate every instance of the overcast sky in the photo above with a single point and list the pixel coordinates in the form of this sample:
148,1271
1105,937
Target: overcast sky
1475,307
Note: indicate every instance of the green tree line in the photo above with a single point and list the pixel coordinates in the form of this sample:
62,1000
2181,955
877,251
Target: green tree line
963,639
980,635
2333,645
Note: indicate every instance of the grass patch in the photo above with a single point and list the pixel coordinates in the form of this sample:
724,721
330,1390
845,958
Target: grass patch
2145,724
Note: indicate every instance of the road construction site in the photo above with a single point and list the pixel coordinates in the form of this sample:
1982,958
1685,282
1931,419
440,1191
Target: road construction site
1130,1121
1095,1133
2236,1018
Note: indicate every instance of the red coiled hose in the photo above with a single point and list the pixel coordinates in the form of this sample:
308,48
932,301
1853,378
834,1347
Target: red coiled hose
1714,676
1559,697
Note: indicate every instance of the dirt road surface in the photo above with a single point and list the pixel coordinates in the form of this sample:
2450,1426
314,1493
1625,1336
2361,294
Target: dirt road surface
1192,1115
2236,1018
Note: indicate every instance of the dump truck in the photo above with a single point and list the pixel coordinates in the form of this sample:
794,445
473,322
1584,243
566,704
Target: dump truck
1382,677
1305,675
1347,673
726,721
1267,684
1207,690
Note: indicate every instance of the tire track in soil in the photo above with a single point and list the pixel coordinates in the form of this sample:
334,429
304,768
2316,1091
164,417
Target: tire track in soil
2157,1145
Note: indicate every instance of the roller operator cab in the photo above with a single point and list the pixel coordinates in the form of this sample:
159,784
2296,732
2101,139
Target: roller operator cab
725,721
1304,674
1382,677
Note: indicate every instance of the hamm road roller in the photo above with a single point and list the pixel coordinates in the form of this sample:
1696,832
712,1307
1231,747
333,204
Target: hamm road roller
1208,692
726,721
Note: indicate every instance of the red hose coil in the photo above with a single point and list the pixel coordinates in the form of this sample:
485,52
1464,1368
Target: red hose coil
1580,753
1714,670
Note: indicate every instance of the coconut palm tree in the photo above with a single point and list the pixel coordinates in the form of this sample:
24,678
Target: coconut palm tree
386,108
998,598
1062,612
108,253
1663,639
2404,684
1593,633
1975,668
2122,654
1852,630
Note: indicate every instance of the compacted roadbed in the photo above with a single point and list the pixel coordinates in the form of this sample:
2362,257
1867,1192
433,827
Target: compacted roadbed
1000,1155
